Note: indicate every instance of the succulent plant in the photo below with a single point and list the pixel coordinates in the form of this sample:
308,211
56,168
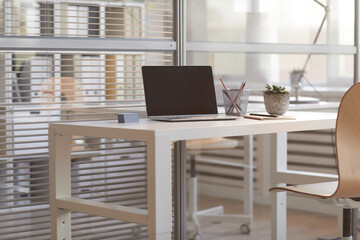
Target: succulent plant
274,89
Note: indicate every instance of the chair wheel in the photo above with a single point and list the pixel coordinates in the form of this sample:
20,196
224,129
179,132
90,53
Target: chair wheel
245,229
196,236
135,231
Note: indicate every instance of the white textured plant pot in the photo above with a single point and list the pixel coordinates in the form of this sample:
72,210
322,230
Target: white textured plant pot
276,103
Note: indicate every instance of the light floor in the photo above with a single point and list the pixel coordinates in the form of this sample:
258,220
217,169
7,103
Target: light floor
300,225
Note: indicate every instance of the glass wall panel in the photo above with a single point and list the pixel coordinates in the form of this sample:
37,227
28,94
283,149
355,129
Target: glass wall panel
257,70
275,21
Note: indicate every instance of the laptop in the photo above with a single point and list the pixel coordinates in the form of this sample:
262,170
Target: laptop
181,93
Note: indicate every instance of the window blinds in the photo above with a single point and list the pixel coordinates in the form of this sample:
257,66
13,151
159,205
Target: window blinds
40,88
48,86
80,18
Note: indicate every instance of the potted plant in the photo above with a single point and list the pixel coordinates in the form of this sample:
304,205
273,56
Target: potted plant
276,99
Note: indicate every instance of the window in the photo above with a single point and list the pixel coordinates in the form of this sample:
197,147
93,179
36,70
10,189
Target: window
79,60
56,81
263,41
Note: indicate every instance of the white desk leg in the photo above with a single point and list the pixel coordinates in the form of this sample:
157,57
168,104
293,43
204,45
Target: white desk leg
278,200
60,184
159,188
248,176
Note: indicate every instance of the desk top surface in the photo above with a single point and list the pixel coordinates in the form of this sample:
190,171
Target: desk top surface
304,121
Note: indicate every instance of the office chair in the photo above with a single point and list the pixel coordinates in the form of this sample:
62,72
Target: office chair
346,190
216,214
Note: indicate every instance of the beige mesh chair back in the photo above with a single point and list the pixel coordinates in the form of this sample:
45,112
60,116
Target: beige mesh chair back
347,142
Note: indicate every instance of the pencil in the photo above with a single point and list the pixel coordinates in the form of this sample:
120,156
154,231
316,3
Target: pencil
232,100
237,96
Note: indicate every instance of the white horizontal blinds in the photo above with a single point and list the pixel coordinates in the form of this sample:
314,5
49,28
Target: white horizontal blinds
80,18
122,231
112,171
37,88
312,151
227,178
2,18
23,143
76,79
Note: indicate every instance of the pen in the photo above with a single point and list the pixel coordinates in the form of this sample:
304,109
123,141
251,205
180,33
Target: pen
263,115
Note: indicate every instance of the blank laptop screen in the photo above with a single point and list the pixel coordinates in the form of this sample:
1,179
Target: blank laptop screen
179,90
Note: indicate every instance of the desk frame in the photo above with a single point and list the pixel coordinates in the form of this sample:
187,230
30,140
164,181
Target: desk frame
158,137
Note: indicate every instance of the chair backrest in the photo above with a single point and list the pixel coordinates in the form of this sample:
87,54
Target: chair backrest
347,140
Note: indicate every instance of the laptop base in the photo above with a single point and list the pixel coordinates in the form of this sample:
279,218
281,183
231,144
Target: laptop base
187,118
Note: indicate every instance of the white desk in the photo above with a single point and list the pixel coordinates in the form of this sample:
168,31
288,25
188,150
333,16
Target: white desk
159,136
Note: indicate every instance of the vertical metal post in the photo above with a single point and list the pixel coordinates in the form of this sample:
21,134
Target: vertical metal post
346,232
180,146
180,190
357,42
180,31
354,223
249,177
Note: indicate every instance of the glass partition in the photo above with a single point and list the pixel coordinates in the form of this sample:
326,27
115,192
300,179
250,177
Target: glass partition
275,21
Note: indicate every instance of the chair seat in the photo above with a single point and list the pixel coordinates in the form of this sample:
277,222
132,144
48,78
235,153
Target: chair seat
322,190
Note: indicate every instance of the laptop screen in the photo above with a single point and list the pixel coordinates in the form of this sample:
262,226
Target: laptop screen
179,90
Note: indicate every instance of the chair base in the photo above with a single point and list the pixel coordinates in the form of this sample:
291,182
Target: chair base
212,215
349,225
216,215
